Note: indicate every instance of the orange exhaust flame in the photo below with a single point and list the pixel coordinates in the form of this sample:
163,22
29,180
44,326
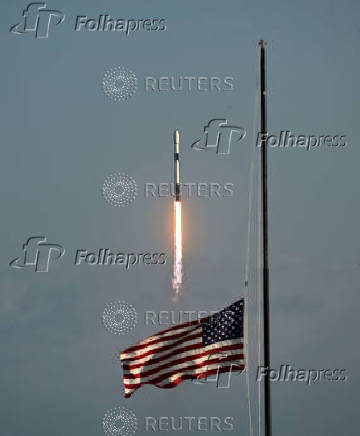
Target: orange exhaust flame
178,272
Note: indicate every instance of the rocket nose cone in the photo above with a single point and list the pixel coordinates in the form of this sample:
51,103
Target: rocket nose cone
177,137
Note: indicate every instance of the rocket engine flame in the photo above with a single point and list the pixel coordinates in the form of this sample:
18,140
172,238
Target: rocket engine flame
178,272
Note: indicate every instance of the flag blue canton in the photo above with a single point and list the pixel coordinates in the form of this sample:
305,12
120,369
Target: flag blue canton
224,325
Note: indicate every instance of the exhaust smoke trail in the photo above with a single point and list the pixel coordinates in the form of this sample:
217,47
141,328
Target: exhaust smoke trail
177,277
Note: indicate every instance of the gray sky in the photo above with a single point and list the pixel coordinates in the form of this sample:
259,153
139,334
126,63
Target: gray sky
61,136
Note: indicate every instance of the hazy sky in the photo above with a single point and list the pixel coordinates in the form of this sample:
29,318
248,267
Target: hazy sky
61,137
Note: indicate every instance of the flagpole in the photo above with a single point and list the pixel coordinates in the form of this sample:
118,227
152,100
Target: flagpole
264,195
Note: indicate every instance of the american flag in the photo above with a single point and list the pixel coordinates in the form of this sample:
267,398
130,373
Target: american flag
193,350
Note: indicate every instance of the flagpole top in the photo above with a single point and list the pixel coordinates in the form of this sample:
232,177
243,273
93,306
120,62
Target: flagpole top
262,42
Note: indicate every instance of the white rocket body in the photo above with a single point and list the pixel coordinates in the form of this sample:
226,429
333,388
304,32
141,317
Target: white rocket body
177,165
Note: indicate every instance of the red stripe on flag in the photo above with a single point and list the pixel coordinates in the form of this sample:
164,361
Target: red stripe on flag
163,332
184,359
141,346
164,348
195,366
175,371
184,377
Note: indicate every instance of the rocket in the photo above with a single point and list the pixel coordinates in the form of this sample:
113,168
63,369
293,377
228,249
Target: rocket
177,277
177,165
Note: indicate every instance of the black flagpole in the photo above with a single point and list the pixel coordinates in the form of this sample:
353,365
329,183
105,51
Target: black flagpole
264,195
